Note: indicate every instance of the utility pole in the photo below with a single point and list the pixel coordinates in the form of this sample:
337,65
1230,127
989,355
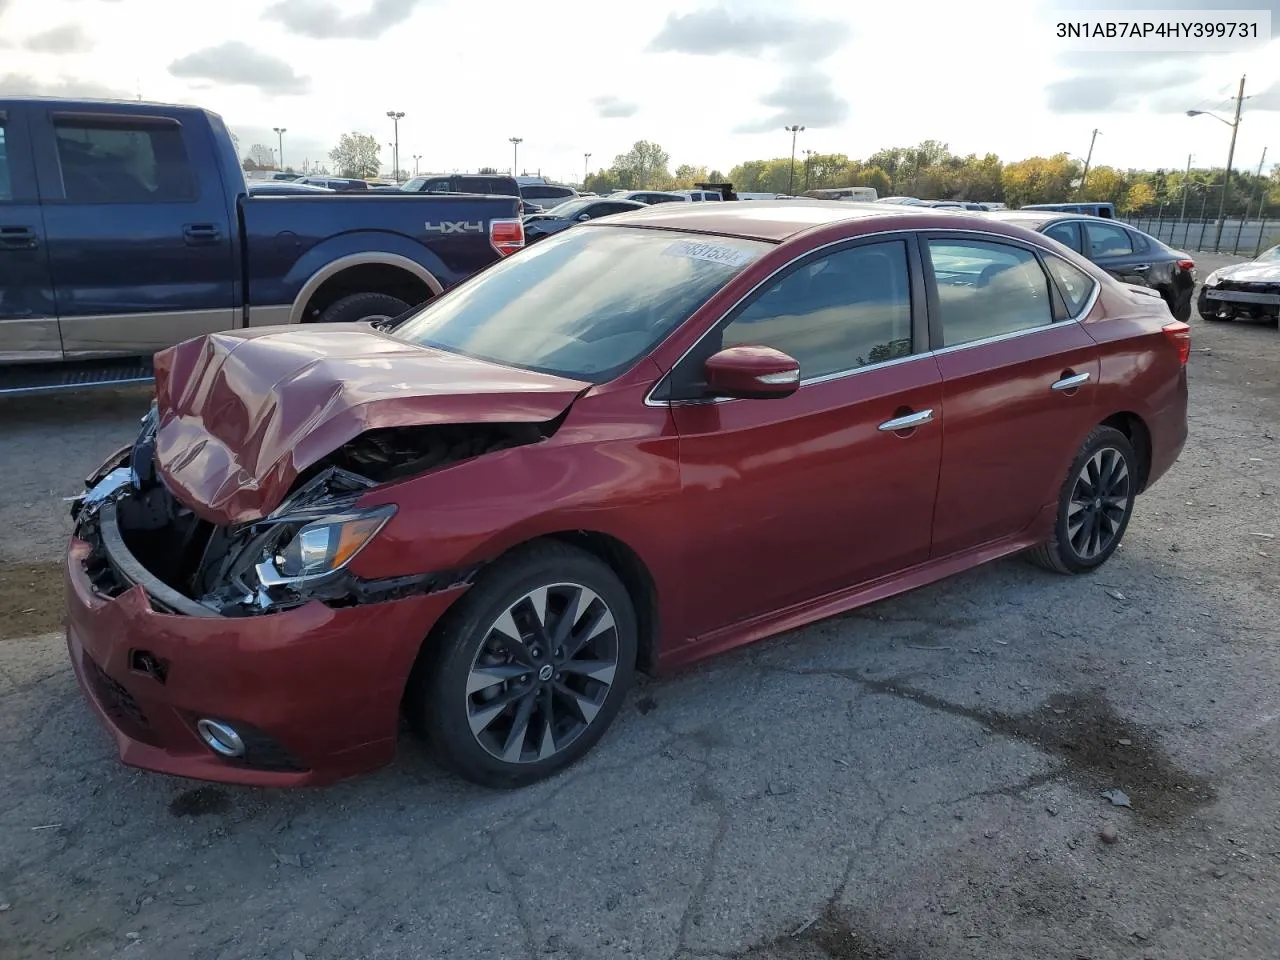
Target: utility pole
1226,177
280,132
794,129
396,116
1084,178
515,153
1186,185
586,158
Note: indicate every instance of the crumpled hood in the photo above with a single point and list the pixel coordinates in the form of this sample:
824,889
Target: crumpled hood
1253,271
242,413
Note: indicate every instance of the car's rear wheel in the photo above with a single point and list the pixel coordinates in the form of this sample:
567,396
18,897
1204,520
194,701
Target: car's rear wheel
1094,505
363,306
529,669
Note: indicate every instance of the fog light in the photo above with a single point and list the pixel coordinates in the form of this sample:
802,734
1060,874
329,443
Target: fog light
220,738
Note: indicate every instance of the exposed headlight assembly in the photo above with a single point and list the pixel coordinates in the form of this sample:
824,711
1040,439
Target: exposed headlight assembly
317,548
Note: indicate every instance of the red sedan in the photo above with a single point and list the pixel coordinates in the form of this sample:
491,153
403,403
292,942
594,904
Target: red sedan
642,441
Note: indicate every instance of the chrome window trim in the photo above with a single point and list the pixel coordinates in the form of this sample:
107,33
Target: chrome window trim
906,235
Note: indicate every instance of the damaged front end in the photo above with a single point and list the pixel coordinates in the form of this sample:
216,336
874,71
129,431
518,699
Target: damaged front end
139,533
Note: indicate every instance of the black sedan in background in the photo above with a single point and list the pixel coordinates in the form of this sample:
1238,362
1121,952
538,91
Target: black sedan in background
565,215
1244,290
1125,253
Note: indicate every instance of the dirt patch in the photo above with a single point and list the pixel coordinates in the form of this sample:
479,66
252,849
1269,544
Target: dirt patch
831,937
1098,747
200,801
31,600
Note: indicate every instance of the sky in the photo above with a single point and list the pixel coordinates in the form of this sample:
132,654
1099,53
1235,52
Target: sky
713,81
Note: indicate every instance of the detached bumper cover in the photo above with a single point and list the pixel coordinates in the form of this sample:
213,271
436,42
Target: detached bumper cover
321,685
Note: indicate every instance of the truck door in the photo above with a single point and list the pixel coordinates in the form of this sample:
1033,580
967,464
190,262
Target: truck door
140,243
28,319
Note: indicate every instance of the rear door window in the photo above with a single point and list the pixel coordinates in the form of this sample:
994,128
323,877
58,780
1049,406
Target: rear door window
124,162
987,290
1105,240
1067,233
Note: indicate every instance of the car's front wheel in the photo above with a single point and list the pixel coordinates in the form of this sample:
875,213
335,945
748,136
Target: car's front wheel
1094,504
529,668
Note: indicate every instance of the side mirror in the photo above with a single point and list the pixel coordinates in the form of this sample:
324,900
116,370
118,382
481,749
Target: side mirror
584,216
752,373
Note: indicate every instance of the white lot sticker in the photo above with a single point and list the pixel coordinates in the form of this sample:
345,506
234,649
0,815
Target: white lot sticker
713,252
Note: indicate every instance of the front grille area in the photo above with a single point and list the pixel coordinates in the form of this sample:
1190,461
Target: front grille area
117,702
1244,287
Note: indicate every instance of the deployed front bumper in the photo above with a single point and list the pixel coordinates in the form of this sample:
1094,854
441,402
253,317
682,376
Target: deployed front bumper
314,691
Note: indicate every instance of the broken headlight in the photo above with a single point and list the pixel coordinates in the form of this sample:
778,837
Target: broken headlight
319,547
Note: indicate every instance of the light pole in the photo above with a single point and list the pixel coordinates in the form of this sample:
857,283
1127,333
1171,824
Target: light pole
1084,177
280,132
808,156
416,158
586,158
515,153
396,116
1231,155
1186,184
794,129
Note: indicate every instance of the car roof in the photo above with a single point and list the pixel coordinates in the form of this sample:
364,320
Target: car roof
1044,216
777,220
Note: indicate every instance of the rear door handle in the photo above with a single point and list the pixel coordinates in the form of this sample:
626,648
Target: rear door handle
18,238
201,233
908,422
1071,382
1140,267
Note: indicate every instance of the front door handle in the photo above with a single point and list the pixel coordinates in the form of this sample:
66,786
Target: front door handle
201,233
1071,382
908,422
1140,267
17,238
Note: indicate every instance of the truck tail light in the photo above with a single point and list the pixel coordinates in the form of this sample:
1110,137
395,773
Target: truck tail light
506,236
1179,335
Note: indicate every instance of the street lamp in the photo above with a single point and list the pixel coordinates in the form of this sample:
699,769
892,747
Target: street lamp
280,132
808,156
416,158
396,116
515,152
1231,155
586,157
794,129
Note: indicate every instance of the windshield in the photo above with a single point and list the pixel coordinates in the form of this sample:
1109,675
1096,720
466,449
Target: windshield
1272,254
414,185
563,307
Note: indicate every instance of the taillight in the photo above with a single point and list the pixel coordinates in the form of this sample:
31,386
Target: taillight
506,236
1179,335
1187,264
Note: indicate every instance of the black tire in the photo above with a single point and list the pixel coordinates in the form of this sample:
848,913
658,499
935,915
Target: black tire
363,306
1062,552
440,707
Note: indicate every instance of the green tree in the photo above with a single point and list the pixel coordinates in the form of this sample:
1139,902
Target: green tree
687,175
1106,185
602,182
1039,180
1140,196
643,167
357,155
980,178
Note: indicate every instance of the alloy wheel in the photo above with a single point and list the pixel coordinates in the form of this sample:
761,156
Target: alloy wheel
543,671
1099,502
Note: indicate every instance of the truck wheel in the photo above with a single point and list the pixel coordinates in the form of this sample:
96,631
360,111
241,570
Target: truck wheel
363,306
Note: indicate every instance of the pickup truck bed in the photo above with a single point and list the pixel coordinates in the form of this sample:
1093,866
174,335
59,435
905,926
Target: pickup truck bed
126,227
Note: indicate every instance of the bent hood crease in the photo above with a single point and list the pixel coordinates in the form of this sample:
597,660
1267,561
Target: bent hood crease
244,412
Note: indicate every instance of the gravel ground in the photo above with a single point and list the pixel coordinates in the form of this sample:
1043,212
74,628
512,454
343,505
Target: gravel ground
921,779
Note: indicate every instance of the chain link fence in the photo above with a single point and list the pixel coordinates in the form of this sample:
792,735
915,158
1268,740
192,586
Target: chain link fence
1245,233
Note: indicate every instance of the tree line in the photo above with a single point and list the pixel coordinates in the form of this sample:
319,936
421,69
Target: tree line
931,171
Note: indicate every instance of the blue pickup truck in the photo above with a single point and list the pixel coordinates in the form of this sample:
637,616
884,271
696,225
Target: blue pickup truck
126,227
